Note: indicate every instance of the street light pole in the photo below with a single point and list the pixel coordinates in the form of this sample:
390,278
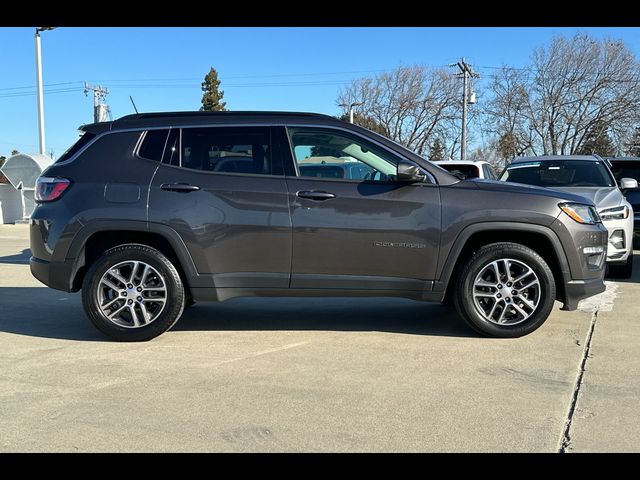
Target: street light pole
39,88
350,105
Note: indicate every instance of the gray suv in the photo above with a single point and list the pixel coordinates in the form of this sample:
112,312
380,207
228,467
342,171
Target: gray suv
153,212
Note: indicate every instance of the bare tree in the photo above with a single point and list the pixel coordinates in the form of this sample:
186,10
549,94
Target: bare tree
506,113
574,84
413,104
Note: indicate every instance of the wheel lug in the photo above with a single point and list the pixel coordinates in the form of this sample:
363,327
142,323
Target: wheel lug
139,289
508,284
129,301
514,292
508,300
124,294
130,285
139,299
499,295
499,285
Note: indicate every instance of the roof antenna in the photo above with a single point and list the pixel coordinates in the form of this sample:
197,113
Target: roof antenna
134,106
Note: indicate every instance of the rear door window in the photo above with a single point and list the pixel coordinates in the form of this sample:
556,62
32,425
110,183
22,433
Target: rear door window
243,150
153,144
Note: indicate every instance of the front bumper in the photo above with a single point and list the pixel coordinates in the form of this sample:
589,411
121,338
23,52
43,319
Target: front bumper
619,255
576,290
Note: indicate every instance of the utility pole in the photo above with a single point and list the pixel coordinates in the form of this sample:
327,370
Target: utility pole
100,108
350,105
39,88
465,73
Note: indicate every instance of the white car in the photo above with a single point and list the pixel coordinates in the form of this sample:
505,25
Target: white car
590,177
467,169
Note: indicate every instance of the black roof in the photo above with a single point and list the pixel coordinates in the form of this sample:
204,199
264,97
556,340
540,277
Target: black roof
155,119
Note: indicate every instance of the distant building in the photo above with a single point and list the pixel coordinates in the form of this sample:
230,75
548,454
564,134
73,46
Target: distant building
18,177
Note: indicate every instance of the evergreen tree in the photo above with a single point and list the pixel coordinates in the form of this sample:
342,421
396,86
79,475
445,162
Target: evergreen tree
212,96
366,122
633,149
436,150
598,141
508,146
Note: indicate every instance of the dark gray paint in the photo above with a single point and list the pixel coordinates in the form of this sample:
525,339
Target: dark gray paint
252,235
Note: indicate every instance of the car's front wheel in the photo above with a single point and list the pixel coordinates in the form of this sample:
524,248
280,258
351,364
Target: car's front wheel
505,290
133,293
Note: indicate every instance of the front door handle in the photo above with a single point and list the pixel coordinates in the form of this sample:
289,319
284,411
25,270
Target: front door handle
179,187
315,195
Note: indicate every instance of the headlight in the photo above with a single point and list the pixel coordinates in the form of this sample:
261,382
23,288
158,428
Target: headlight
616,213
580,213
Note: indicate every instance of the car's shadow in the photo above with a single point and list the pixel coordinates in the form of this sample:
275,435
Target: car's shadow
47,313
394,315
635,277
18,258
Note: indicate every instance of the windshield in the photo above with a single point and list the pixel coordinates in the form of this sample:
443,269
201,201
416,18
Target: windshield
563,173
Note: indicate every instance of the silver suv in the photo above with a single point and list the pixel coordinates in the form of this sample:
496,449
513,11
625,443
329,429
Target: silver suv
589,176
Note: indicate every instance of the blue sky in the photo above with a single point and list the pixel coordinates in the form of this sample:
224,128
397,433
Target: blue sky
261,68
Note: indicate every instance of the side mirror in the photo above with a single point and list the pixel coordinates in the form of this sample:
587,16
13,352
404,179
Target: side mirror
409,172
628,183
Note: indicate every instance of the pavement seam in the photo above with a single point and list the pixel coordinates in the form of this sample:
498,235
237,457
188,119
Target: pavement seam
565,439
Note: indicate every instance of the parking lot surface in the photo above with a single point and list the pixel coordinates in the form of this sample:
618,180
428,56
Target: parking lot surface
339,375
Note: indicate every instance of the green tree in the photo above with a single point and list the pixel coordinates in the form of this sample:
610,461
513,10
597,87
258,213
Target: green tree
212,96
436,151
598,141
14,152
365,121
2,159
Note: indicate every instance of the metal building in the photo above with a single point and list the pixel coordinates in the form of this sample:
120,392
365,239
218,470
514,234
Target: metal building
17,184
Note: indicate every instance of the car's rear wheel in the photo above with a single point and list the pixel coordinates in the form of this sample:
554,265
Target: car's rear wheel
133,293
624,270
505,290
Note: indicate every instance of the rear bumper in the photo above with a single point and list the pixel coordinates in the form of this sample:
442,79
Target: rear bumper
576,290
52,274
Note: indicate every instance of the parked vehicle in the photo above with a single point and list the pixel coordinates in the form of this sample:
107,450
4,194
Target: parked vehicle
589,176
466,169
629,167
151,212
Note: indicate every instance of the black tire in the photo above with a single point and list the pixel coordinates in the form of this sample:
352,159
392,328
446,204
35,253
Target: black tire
464,288
624,270
175,293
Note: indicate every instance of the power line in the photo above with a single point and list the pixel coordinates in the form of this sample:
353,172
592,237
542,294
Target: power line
46,85
26,94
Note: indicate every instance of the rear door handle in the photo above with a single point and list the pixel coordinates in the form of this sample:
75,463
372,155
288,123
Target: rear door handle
315,195
179,187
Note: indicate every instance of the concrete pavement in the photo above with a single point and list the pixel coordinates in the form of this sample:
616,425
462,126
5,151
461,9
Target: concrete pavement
308,375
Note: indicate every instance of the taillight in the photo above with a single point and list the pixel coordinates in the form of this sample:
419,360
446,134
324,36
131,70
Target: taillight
49,189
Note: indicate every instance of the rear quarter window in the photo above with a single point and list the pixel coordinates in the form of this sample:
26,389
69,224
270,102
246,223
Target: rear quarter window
76,147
